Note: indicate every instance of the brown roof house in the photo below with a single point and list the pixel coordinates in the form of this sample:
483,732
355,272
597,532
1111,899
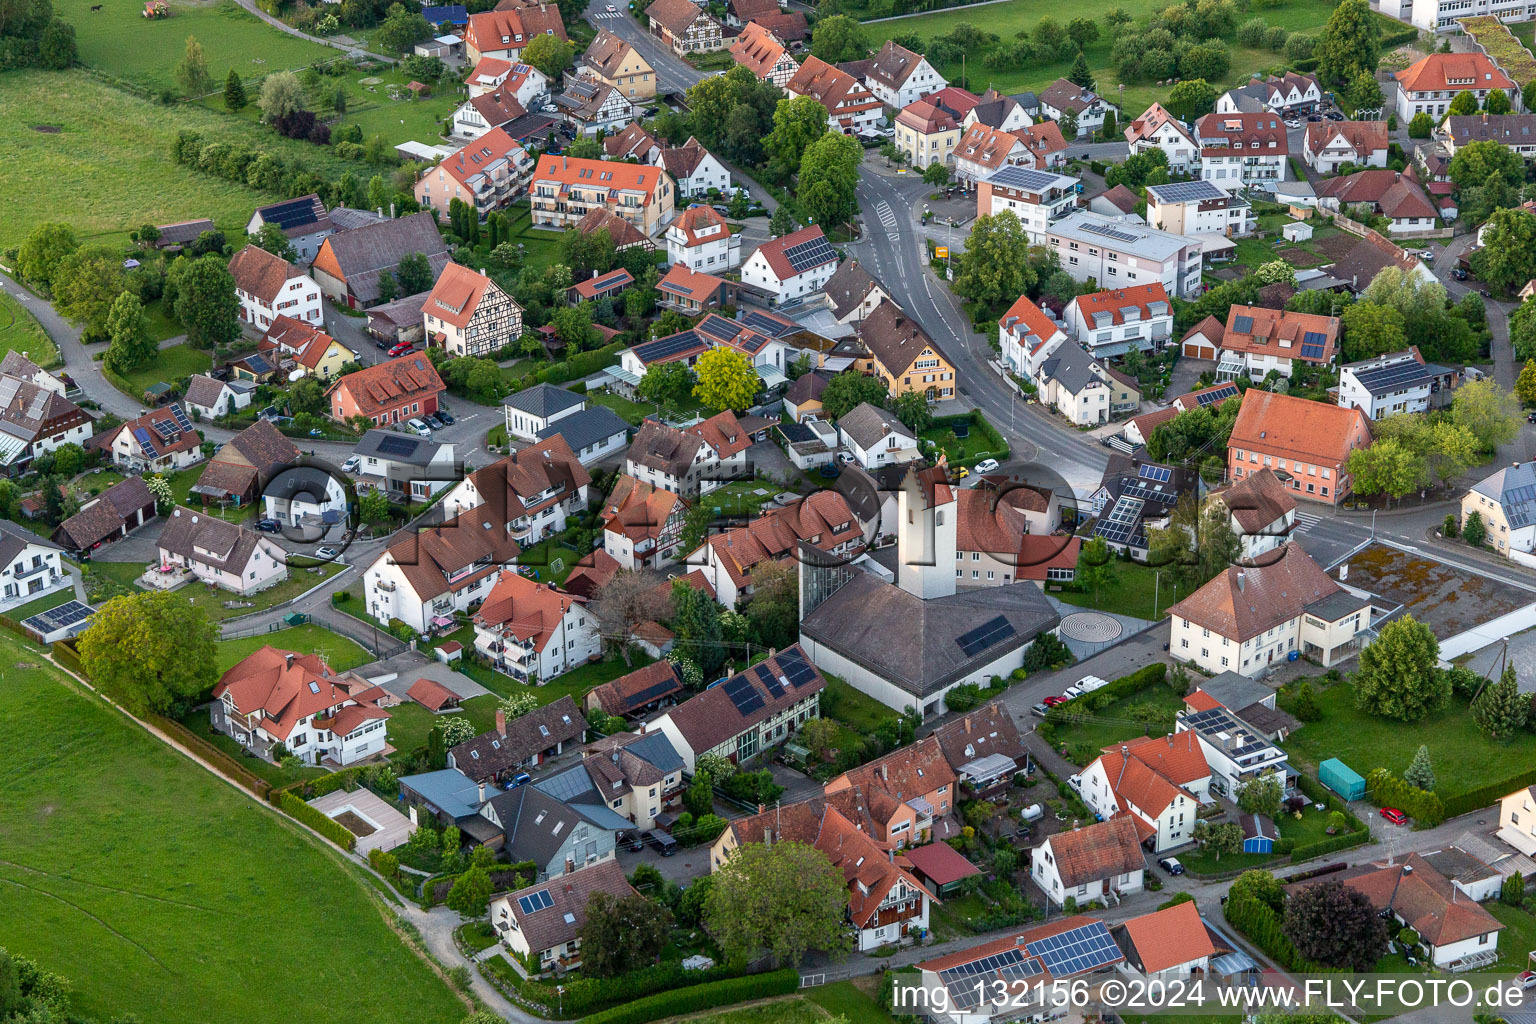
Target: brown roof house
1262,512
1310,442
688,461
638,692
242,468
387,393
685,27
1086,862
1395,195
36,419
543,922
523,742
1460,934
222,554
910,793
349,264
1250,617
111,515
160,441
983,746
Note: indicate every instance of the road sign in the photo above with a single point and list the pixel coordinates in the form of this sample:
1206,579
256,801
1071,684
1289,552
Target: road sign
942,252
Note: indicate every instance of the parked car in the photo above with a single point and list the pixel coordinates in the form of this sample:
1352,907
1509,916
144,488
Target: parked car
1052,702
986,466
268,525
400,349
350,466
326,552
724,211
1170,865
1527,979
663,842
445,416
1459,273
1076,782
960,473
419,427
520,779
1530,417
316,432
434,420
381,343
1394,815
1040,710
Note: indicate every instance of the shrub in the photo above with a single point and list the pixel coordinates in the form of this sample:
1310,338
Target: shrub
686,1000
301,811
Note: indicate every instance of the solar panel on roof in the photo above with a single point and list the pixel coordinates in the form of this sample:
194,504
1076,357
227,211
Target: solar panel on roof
1216,394
1109,232
718,327
180,415
769,680
535,901
1185,191
1243,324
392,445
1161,474
665,348
286,215
1074,952
145,442
795,668
1312,345
989,634
742,695
769,325
1387,378
805,255
65,615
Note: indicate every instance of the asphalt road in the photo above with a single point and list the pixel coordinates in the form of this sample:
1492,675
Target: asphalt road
672,73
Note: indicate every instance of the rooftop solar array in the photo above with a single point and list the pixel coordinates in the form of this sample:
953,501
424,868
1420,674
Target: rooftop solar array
1074,952
1150,471
1245,741
1243,324
146,442
1012,176
718,327
1217,394
670,347
1109,231
1123,521
535,901
772,326
68,614
985,636
1520,505
1009,965
1380,379
392,444
1186,192
746,699
795,668
805,255
291,213
182,423
1312,345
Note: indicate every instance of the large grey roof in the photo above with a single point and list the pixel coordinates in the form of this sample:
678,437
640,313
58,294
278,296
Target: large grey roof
1234,691
536,824
1514,488
450,791
915,643
407,448
869,424
581,429
363,253
543,400
1119,235
1071,367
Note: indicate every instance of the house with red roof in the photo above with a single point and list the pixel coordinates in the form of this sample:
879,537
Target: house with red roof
273,696
534,632
1028,335
1099,861
487,173
1012,977
940,868
1395,195
639,692
1203,340
1261,512
522,82
823,520
1429,86
1309,441
910,793
1329,145
1111,323
566,189
1239,151
642,524
299,346
700,239
764,54
684,26
504,32
467,314
926,134
1005,532
692,460
693,293
1459,933
387,393
269,286
1167,944
1157,129
851,106
1257,340
160,441
791,267
1158,782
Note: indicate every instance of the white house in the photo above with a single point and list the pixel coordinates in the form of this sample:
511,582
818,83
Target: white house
1506,503
701,240
1517,820
1168,944
1199,208
642,524
210,398
849,104
1156,128
1239,151
1459,933
1112,323
1261,512
31,567
1027,336
790,268
689,461
534,632
467,314
231,557
523,82
543,922
695,169
274,697
1236,753
269,285
1429,86
898,76
1087,862
302,496
1304,611
304,221
533,410
591,106
1159,781
1037,197
404,464
160,441
1289,94
1396,382
1329,145
875,437
1079,387
1116,253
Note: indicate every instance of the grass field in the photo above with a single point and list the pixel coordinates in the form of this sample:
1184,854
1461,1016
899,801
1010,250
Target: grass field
1133,593
1006,19
121,42
107,168
171,365
542,558
20,332
1312,828
161,892
1463,756
852,1000
1114,724
338,652
211,599
409,722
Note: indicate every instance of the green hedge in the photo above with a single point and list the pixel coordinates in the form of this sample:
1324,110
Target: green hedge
1117,689
333,831
65,655
700,997
580,365
590,995
346,778
1482,796
1333,844
1261,925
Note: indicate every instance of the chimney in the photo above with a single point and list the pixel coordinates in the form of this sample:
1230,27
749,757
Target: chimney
967,725
1514,465
1240,580
288,659
885,773
480,794
391,211
767,836
761,808
501,722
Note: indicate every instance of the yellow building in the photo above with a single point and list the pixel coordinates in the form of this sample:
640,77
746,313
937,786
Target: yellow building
904,356
926,134
616,63
309,348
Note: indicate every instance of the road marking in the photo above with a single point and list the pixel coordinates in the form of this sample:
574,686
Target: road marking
886,214
1306,520
607,14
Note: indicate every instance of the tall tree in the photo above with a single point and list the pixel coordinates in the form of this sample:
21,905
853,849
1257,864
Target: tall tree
829,179
1490,413
1080,75
1421,772
839,38
401,29
1397,677
669,385
995,268
234,92
43,250
1387,467
1192,97
1349,44
1095,567
550,54
1261,796
128,333
1334,925
1501,709
1525,384
1083,32
1507,259
781,900
205,300
86,283
726,380
1497,102
626,600
192,73
274,240
153,652
696,621
281,96
847,390
622,933
414,274
911,407
797,122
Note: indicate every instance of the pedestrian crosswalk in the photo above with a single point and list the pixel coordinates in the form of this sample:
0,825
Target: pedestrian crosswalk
886,214
1306,520
607,14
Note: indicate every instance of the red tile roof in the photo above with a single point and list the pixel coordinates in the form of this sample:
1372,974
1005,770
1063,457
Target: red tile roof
1440,72
1243,602
1279,333
1024,318
832,87
757,49
1236,134
867,868
1363,137
518,607
457,294
431,694
259,273
1295,428
1112,302
773,250
277,689
1258,500
1151,119
1426,900
1169,938
776,534
988,147
1102,850
700,225
639,510
307,343
940,864
384,386
1396,195
926,119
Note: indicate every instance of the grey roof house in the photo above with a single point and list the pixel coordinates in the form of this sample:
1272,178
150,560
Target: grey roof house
558,837
349,264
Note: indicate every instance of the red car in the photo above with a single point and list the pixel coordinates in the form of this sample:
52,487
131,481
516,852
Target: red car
1051,702
1394,815
401,349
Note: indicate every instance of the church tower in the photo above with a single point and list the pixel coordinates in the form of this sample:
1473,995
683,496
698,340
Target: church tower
927,514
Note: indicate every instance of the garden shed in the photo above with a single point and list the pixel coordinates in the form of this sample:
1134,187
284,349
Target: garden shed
1342,779
1258,833
1296,231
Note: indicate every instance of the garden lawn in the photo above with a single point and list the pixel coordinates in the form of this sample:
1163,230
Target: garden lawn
1254,252
848,999
541,246
858,711
1133,592
962,451
788,1010
157,889
1005,19
1312,828
338,651
1113,724
1517,938
182,483
1464,758
211,599
741,497
170,366
121,42
541,557
409,722
630,412
951,918
161,323
107,169
42,604
20,331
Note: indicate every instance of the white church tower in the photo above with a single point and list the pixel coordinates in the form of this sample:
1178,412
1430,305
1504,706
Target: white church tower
927,514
